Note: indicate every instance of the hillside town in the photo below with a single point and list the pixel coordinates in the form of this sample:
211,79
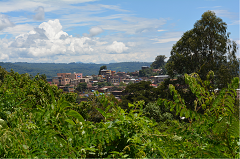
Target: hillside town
107,81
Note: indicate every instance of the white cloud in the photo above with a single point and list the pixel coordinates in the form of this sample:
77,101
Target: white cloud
235,22
94,31
117,47
48,40
226,13
39,13
133,25
17,29
131,44
53,29
166,40
161,30
27,5
5,22
168,37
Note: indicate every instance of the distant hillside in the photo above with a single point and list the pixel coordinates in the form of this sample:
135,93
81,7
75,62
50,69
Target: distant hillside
51,69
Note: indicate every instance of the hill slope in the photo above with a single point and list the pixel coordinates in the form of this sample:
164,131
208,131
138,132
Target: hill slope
51,69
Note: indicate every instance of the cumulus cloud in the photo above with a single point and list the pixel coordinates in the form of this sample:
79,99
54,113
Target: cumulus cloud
5,22
49,43
117,47
94,31
48,40
53,29
39,14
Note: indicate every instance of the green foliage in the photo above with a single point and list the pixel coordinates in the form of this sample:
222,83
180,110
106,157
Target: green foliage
122,84
136,92
81,87
214,133
206,47
39,121
102,84
159,62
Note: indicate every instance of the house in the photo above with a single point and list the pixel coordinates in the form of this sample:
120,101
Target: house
114,79
76,75
156,70
57,80
67,88
75,82
135,73
106,72
66,78
238,93
144,67
153,85
160,78
127,80
105,89
121,74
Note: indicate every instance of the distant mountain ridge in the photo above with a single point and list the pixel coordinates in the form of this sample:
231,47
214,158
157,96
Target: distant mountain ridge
51,69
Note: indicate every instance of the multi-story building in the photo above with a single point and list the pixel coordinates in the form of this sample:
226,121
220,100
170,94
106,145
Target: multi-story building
114,79
75,82
76,75
57,80
66,78
106,72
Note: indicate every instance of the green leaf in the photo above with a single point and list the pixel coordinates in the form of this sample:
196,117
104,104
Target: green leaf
204,106
234,127
182,112
102,112
76,115
64,105
187,114
70,121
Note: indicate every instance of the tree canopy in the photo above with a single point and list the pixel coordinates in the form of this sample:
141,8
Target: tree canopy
205,47
159,62
102,68
81,87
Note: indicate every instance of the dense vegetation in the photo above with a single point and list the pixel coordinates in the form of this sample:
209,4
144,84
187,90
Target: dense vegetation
37,120
51,69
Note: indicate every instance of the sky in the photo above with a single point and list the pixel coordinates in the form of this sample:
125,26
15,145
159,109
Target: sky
102,31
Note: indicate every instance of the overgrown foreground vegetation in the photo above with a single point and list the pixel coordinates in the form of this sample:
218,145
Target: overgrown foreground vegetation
37,120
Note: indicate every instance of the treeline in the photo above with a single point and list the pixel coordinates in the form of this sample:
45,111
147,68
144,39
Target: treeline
51,69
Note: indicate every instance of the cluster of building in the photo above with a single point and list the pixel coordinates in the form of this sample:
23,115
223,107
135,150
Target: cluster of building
68,81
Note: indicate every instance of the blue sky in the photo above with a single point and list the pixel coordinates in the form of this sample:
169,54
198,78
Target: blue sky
102,31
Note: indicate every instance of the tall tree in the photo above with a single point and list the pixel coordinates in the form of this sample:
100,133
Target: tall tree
159,62
205,47
102,68
81,87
